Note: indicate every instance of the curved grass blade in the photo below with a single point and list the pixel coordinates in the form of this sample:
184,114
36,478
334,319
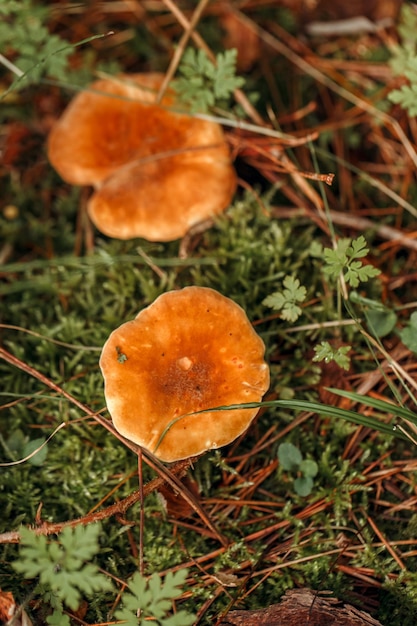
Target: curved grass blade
303,405
381,405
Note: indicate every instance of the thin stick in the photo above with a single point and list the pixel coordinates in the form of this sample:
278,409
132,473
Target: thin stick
119,508
356,222
185,23
141,513
180,48
386,543
11,66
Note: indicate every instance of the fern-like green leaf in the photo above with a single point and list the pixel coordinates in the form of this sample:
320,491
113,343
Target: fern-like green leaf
201,84
358,248
404,61
36,51
152,599
62,566
336,259
344,260
287,301
406,97
223,75
325,352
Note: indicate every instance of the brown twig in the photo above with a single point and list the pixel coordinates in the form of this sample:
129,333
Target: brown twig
119,508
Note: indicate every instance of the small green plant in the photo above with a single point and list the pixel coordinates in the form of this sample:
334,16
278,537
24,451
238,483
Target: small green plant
203,84
291,460
325,352
35,51
151,599
404,61
344,260
63,567
287,301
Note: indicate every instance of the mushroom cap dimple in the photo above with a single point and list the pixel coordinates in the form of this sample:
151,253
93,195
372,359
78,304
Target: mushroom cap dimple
191,350
156,172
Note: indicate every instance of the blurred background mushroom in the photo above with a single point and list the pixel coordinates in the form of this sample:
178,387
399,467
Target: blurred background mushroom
156,172
191,350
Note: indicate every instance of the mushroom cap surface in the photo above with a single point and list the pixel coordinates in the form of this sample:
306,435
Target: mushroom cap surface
156,172
190,350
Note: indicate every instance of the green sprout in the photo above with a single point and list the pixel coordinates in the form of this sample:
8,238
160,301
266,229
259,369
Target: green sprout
287,301
291,460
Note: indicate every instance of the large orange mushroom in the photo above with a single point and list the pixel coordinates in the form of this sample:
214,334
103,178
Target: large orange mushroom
156,172
191,350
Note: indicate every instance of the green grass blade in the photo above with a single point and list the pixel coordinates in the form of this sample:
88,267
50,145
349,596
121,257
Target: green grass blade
302,405
381,405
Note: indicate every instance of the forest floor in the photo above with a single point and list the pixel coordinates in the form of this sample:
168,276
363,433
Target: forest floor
318,246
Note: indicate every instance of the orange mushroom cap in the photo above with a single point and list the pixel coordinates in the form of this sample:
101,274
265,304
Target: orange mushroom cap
156,172
190,350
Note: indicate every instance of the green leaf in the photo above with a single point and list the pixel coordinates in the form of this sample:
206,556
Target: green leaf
325,352
152,599
37,52
381,323
287,300
380,319
58,619
223,74
128,617
308,467
31,446
343,260
289,457
408,334
408,25
358,249
303,486
276,300
406,97
201,84
316,249
181,618
9,6
81,541
336,259
62,565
